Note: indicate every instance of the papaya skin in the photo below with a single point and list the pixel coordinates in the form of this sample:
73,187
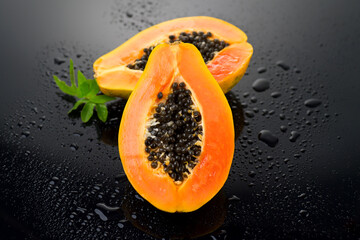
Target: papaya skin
115,79
166,63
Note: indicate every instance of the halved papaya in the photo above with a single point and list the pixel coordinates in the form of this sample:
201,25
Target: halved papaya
222,45
176,137
164,225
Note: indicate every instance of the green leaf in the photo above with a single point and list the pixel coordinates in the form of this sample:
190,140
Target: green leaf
72,74
83,85
64,87
77,104
102,112
87,111
81,77
94,88
83,89
101,99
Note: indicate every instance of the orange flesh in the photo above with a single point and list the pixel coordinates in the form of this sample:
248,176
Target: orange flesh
229,63
133,49
167,63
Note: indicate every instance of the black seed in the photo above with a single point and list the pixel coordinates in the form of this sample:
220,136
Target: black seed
197,153
160,95
148,141
202,41
174,135
154,164
182,85
191,165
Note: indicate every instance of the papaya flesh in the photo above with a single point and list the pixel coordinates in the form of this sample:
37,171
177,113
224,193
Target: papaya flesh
223,46
179,106
166,225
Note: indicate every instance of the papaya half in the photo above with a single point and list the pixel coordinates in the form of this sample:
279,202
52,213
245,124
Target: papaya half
164,225
176,137
222,45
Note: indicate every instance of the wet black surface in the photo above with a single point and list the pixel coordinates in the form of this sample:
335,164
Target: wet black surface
55,171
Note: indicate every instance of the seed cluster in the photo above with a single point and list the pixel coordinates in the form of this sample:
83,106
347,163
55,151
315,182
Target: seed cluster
207,47
175,133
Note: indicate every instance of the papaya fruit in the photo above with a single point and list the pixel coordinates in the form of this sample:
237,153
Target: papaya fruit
164,225
223,46
176,137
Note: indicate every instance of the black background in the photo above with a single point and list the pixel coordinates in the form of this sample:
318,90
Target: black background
55,170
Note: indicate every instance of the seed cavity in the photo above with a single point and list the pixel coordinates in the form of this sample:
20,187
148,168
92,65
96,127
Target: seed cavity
174,133
204,42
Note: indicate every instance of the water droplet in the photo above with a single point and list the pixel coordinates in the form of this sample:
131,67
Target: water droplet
261,84
25,133
283,65
234,198
302,195
268,137
253,99
283,128
261,69
77,134
252,174
120,225
312,102
304,213
275,94
101,214
120,176
294,135
58,61
74,147
249,114
106,207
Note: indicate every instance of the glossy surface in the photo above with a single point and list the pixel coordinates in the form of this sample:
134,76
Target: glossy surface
55,170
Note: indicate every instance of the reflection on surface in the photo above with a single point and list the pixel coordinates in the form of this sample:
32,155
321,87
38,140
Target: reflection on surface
108,131
237,111
161,224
